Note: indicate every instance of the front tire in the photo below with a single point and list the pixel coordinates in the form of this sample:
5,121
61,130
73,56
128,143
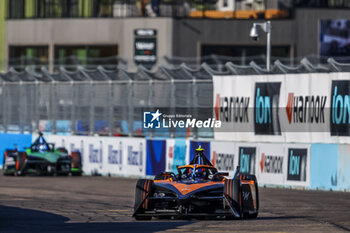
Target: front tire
142,203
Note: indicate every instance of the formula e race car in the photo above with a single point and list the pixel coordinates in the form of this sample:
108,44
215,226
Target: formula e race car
198,190
42,159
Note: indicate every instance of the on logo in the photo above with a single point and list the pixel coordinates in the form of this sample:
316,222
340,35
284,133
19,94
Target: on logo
340,108
151,120
247,160
297,164
266,108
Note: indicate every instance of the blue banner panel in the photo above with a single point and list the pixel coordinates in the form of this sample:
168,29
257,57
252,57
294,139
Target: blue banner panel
156,157
343,168
195,144
324,166
10,141
179,154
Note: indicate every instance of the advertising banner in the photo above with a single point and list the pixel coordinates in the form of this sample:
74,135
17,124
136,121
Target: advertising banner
266,108
272,164
233,104
247,158
298,169
106,155
156,157
303,108
340,116
115,161
223,156
177,154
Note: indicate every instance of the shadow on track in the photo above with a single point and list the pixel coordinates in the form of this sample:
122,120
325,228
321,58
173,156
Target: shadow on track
278,218
18,220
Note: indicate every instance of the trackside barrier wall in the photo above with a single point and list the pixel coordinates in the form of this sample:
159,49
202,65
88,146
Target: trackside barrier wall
310,166
10,141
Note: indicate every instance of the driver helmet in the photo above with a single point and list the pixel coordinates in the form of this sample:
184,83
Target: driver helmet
42,148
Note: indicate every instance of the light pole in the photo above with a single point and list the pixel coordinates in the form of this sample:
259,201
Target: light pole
254,34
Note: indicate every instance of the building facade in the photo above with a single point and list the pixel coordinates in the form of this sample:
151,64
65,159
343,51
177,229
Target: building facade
52,31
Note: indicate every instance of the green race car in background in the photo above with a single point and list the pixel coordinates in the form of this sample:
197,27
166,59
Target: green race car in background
41,158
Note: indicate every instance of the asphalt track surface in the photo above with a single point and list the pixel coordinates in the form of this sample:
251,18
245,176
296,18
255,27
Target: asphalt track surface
102,204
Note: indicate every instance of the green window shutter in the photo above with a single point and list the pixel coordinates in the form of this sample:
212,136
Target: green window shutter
29,6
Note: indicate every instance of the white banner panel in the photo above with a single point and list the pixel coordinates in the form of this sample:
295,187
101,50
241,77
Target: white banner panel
223,156
271,164
106,155
305,107
248,107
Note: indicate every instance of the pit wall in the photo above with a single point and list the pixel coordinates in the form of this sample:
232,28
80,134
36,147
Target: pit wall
306,166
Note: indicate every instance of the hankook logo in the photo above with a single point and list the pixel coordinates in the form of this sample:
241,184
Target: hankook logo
306,109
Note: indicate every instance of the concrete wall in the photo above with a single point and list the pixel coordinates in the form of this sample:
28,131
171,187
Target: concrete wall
189,34
119,32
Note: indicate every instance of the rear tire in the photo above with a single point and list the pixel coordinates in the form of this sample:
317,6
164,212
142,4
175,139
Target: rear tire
254,215
143,188
20,163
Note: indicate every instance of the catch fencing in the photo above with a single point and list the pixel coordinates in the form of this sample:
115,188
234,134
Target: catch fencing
100,101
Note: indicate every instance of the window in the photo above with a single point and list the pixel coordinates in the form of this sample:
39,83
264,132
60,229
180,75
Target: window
86,55
103,8
15,9
21,56
322,3
57,8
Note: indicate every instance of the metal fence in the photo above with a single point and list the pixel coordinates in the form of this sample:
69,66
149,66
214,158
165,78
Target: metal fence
100,101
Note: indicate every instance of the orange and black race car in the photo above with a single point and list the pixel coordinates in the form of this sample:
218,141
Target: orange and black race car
198,190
